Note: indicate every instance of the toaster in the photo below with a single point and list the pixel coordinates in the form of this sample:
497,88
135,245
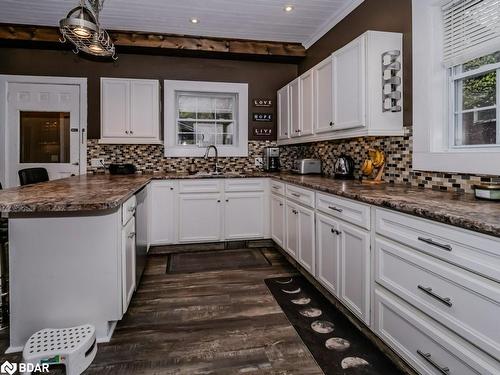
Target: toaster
307,166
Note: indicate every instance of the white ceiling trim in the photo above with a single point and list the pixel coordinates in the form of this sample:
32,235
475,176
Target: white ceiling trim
330,24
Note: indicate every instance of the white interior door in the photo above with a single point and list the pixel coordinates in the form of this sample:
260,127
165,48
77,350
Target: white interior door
43,129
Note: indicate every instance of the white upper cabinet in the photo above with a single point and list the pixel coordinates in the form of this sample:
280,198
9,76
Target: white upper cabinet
294,102
343,96
130,111
283,114
323,96
349,85
306,89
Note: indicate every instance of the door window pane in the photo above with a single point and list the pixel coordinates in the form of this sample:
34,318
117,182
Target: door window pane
44,137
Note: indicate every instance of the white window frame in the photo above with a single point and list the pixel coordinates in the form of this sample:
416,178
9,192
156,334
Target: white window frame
432,102
240,137
453,79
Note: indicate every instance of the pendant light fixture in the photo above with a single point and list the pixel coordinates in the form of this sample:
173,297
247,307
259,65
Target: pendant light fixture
81,27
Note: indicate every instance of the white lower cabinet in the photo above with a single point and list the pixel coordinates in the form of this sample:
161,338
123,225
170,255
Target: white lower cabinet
423,343
163,212
355,270
200,217
292,229
328,252
300,239
244,215
128,262
343,263
278,220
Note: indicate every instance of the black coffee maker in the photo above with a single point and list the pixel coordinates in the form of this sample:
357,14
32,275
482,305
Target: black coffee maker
271,160
344,167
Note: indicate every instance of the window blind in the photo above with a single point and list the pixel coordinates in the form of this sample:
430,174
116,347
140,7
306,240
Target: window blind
471,30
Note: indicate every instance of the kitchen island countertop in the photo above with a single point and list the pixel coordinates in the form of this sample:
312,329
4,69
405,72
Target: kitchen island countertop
105,192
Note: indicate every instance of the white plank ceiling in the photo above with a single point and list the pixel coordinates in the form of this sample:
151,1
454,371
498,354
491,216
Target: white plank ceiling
245,19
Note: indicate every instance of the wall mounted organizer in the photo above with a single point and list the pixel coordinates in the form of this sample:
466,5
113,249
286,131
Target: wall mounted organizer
391,81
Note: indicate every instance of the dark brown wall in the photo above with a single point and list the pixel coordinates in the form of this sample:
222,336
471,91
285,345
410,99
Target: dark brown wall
379,15
264,78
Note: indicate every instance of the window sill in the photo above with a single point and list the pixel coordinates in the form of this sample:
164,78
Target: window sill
477,162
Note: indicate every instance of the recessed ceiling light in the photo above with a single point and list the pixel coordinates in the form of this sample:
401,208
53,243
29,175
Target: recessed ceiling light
194,20
288,8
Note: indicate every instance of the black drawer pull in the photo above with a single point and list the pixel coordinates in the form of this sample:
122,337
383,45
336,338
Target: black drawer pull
296,195
428,358
428,290
430,241
335,209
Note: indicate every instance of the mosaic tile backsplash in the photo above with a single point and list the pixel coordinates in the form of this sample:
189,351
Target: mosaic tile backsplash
398,151
151,158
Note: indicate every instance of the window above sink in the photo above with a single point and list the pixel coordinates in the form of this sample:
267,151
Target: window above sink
200,114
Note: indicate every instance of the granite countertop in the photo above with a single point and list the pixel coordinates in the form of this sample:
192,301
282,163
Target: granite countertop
103,192
86,192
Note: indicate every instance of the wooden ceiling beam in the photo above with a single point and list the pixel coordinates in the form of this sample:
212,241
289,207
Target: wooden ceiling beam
27,33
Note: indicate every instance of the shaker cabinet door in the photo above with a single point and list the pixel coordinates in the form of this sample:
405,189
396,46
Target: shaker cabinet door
163,212
278,220
323,95
294,96
115,102
328,253
244,215
355,270
306,87
306,254
292,230
200,217
144,109
349,85
128,263
283,114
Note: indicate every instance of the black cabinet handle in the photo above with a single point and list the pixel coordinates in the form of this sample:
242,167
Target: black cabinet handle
428,290
428,358
335,209
430,241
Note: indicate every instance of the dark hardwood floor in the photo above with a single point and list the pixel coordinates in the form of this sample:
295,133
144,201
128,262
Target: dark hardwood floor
215,322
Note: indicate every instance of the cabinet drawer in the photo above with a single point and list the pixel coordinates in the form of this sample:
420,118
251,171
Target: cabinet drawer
277,187
200,186
352,212
427,346
244,184
473,251
300,195
466,303
128,209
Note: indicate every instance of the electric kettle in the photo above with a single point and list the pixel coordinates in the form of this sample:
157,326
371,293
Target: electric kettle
344,167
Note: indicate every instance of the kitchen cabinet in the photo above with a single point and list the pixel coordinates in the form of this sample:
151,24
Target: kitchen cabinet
347,97
306,102
163,212
323,96
355,269
244,215
349,85
283,114
292,229
278,220
200,217
294,102
128,262
328,252
300,239
130,111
